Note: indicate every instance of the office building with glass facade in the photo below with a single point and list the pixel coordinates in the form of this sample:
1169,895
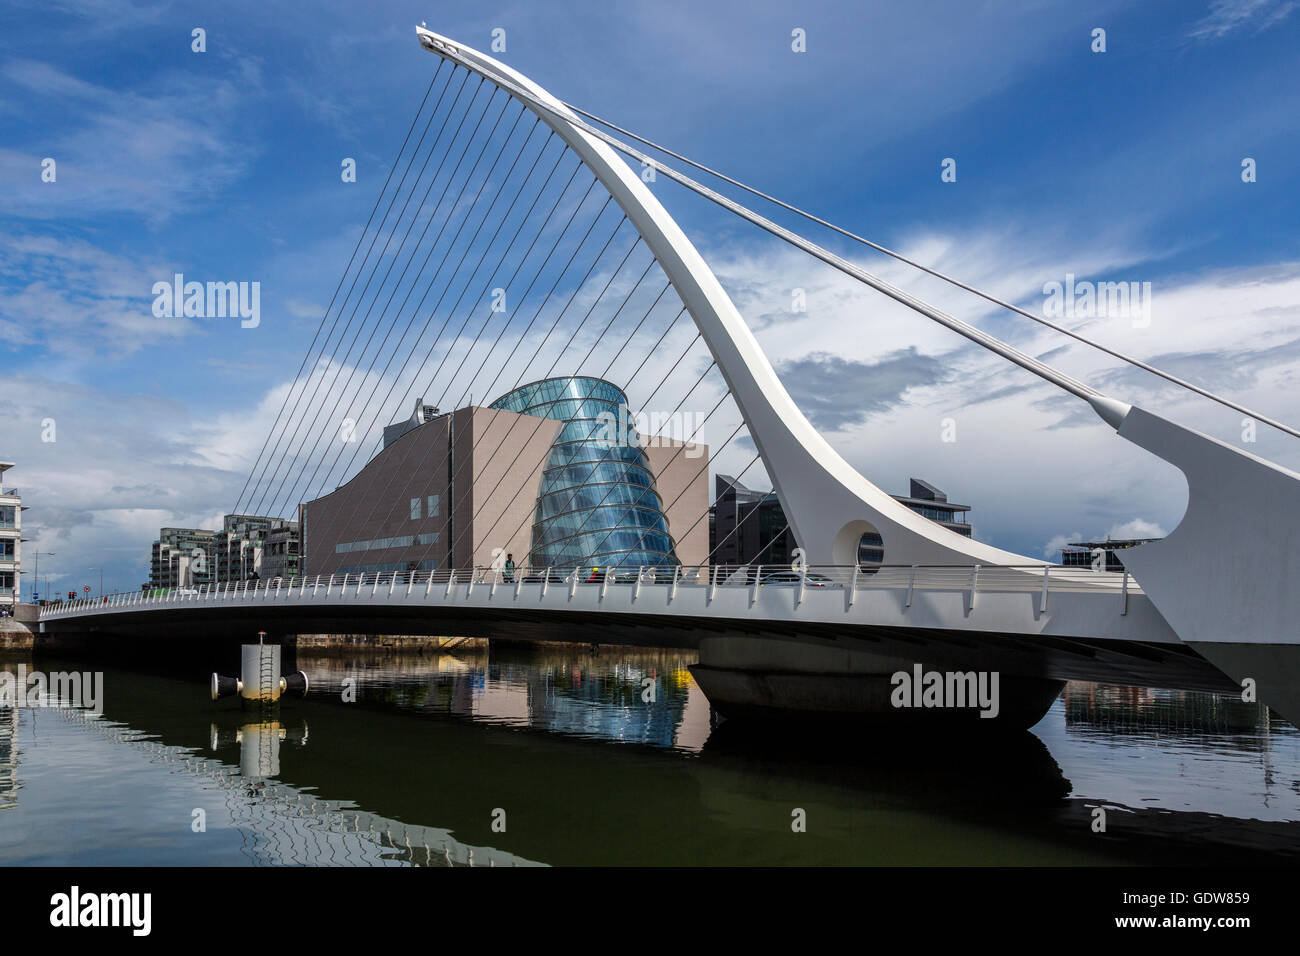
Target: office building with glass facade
545,474
597,503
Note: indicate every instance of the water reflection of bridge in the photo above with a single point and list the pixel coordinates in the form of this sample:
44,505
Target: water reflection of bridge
284,825
8,757
1143,709
563,688
373,773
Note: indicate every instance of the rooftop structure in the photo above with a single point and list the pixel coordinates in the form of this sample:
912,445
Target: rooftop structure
1083,554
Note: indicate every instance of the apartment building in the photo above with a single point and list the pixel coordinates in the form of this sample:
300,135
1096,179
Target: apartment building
181,558
248,547
11,512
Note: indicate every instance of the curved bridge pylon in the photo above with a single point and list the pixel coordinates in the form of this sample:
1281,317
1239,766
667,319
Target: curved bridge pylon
1222,579
828,503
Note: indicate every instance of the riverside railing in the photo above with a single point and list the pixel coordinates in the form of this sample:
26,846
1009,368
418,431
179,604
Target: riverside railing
973,579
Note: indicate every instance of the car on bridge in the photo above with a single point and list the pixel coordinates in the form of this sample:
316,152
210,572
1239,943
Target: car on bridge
555,577
791,577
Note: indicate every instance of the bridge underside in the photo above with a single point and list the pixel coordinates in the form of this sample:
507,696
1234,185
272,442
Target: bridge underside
768,645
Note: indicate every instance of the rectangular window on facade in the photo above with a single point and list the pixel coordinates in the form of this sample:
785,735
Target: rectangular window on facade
433,506
415,509
376,544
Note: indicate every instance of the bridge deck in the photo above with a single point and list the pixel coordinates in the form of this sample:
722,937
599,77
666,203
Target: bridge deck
1061,623
1042,600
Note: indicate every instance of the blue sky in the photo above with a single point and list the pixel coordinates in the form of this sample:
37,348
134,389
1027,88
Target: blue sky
1123,165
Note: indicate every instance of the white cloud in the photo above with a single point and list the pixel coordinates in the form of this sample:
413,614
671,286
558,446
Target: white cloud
1137,528
77,299
1225,16
149,152
1029,457
300,309
1053,547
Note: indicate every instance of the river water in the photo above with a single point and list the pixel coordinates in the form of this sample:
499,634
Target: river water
572,755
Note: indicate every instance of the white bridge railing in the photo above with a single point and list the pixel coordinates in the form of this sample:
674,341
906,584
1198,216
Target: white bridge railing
976,579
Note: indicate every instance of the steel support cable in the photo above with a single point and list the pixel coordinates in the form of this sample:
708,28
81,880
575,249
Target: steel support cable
629,506
605,457
365,410
537,312
505,363
337,366
519,341
993,344
540,420
536,315
735,480
396,254
415,281
500,262
342,278
682,447
604,375
649,398
559,316
361,238
704,468
324,439
608,325
433,312
373,269
518,268
541,268
550,331
988,297
775,538
324,371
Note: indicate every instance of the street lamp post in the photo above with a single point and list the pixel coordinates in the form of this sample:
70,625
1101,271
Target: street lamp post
48,554
101,579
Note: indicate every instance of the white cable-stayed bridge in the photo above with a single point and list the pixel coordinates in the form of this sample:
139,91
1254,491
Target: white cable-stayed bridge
510,249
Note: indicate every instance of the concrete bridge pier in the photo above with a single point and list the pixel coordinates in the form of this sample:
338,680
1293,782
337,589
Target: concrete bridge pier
259,673
262,679
779,678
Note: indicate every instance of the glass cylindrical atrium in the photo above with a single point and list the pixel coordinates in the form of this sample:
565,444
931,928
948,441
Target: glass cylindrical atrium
597,505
